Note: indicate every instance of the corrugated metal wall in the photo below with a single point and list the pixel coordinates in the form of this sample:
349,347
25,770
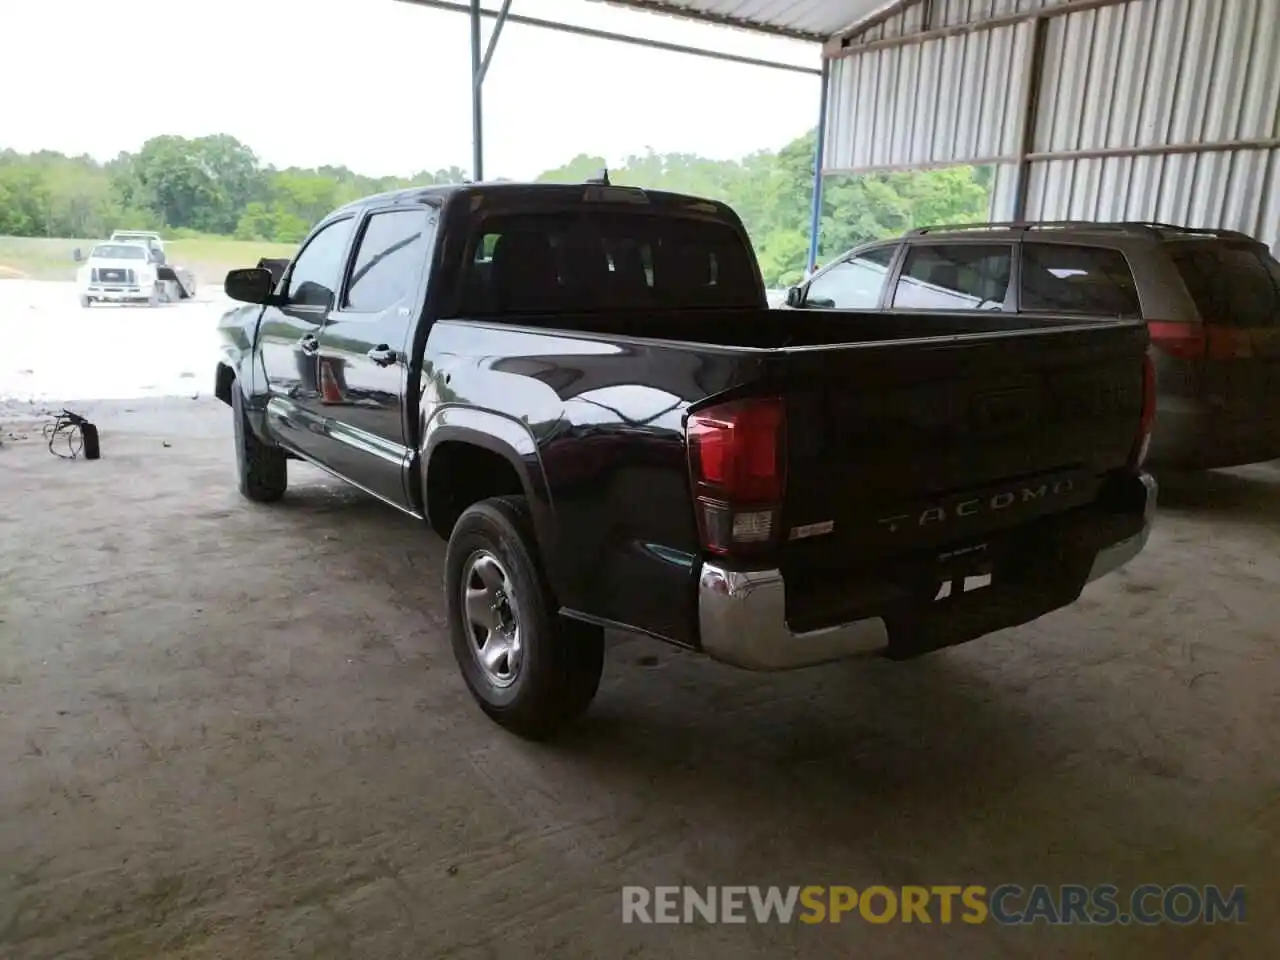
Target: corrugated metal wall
1152,80
903,106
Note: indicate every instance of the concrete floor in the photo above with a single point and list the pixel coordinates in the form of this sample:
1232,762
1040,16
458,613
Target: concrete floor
238,731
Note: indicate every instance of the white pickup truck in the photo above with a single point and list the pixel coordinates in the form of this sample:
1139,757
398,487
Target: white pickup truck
131,267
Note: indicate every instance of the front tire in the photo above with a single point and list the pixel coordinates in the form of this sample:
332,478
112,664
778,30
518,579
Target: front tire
262,470
85,302
528,668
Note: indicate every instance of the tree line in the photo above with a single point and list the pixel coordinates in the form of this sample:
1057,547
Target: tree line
217,185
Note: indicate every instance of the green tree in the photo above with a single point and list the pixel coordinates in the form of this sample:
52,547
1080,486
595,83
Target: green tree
216,184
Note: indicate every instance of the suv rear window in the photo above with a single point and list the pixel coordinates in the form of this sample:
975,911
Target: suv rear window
582,262
1066,278
1236,285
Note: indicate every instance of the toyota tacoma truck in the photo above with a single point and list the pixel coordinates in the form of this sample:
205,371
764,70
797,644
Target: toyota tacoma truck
583,390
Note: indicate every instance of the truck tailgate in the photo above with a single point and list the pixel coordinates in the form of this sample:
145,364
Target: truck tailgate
904,447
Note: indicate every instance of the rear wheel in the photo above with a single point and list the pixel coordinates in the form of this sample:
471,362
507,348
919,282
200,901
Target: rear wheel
528,668
262,469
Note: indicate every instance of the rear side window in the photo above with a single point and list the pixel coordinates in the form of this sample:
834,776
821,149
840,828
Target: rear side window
388,260
1064,278
954,277
1234,285
582,262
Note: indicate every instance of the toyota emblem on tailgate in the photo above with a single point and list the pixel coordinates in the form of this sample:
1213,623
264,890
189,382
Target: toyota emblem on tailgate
1004,409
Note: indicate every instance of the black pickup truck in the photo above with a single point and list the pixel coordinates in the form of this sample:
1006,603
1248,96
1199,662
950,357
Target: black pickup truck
582,388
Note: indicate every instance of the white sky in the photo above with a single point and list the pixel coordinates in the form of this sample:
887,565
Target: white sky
382,87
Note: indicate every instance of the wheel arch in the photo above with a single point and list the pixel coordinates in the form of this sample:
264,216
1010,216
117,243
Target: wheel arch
476,454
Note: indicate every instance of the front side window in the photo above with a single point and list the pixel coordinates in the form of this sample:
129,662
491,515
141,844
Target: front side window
958,276
854,284
1065,278
388,261
317,272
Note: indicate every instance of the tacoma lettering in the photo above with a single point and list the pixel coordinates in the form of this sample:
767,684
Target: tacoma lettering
976,505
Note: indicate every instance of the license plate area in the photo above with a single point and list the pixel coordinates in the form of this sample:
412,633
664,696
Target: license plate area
963,570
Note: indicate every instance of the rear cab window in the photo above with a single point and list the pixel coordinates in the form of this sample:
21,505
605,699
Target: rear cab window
954,276
1232,284
1076,278
582,262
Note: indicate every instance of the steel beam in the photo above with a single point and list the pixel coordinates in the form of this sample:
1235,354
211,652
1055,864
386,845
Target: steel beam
846,45
477,106
479,69
452,7
815,214
1030,116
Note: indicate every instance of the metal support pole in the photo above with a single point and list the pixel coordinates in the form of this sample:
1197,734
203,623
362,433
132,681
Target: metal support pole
1030,116
479,69
477,111
815,218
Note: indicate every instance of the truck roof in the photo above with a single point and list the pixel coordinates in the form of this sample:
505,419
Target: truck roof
550,194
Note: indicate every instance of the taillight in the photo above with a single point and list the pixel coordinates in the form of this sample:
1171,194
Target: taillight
1146,421
737,465
1201,341
1184,340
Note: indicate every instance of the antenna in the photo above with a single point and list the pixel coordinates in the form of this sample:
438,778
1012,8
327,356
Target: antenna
601,178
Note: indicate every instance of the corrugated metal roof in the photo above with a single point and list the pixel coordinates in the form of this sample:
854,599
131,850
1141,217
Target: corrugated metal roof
815,20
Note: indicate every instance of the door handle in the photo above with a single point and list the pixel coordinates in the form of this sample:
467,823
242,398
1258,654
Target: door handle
309,344
383,355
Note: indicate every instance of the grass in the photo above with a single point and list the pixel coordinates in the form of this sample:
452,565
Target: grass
40,258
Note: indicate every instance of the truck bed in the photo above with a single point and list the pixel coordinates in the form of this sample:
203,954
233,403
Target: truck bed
908,437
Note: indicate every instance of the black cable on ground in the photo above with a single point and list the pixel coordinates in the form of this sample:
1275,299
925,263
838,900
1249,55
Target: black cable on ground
79,435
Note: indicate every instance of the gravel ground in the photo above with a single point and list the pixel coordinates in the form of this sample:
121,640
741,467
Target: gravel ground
229,730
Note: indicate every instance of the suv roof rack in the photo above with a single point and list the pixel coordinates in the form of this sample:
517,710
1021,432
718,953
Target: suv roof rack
1122,226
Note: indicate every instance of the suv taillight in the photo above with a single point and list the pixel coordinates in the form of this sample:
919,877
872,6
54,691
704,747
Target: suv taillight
1201,341
737,466
1142,443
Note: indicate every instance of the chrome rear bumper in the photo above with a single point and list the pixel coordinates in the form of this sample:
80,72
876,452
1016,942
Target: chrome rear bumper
743,620
742,615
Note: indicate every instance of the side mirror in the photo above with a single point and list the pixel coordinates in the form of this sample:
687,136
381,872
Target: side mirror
795,296
251,285
77,255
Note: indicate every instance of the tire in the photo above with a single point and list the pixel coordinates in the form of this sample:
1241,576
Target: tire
262,470
555,672
153,300
85,302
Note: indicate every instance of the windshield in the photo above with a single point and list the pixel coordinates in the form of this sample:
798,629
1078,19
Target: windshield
118,251
585,262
